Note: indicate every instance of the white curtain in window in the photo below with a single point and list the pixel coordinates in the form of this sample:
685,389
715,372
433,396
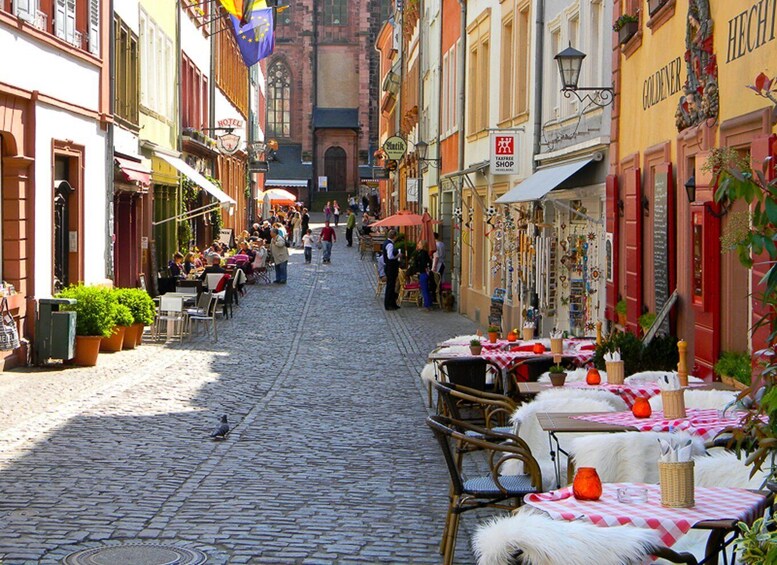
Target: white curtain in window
25,9
94,27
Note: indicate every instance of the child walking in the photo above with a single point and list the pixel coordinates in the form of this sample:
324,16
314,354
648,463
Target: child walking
307,242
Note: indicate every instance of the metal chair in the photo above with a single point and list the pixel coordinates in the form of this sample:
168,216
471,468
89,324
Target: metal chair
171,315
208,315
492,490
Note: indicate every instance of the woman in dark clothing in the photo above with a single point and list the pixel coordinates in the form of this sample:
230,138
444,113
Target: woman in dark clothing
422,265
176,265
305,221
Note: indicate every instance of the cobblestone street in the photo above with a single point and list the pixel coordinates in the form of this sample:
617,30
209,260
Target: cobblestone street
329,460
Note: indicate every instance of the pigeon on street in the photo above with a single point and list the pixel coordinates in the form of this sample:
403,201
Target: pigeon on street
223,429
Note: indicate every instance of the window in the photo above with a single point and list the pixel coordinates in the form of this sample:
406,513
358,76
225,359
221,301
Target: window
595,46
479,73
278,100
231,72
506,70
573,25
65,22
194,100
450,90
335,13
157,69
522,53
554,90
126,91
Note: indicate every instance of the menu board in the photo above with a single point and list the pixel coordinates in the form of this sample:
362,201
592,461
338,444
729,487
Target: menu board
661,244
497,306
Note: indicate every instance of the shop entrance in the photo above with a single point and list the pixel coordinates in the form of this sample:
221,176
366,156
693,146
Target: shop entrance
334,168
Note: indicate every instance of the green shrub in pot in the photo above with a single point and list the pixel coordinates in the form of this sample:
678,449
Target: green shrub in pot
139,303
95,309
734,365
123,315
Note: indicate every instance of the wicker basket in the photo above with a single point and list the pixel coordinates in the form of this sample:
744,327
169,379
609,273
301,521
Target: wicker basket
528,334
676,480
615,372
674,403
557,345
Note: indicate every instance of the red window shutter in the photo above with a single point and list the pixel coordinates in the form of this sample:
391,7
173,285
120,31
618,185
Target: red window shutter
633,226
761,148
611,269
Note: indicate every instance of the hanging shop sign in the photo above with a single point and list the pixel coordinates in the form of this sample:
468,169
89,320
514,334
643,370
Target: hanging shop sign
229,143
395,147
504,153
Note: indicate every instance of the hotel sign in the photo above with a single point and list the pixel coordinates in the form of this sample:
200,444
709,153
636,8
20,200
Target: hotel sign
662,84
751,29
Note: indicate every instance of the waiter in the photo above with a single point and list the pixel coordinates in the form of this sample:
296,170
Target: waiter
391,259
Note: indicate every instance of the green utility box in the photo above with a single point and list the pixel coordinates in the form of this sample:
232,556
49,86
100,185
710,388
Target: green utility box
55,331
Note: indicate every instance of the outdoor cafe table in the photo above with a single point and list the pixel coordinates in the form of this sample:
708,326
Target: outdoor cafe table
716,508
629,393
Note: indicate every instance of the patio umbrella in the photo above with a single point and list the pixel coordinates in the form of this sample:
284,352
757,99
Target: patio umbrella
276,194
403,218
427,232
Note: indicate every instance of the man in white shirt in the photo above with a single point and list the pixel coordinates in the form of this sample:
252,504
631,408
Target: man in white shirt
391,259
438,261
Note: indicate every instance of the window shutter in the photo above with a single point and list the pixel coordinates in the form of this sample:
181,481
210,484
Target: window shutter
59,19
94,27
70,22
25,9
633,223
611,268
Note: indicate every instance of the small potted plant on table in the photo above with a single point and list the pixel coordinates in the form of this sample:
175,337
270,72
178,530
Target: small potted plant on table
558,375
734,369
475,347
620,310
626,26
493,333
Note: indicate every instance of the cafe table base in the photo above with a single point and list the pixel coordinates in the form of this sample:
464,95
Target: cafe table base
716,508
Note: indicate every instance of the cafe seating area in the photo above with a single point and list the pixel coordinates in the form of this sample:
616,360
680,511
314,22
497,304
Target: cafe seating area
589,471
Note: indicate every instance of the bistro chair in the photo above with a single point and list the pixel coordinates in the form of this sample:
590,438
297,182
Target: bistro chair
170,317
381,281
207,317
472,372
493,490
494,410
409,288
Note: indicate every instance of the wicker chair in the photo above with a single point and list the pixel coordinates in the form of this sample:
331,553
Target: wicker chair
409,288
381,281
472,372
493,410
493,490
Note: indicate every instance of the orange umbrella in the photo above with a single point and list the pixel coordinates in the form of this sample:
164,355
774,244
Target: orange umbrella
427,232
401,219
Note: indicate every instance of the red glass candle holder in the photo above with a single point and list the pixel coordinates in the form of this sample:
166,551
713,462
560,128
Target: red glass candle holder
641,408
538,348
593,377
587,485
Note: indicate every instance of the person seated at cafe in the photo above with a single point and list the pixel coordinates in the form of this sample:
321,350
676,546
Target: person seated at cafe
188,263
214,267
260,256
366,221
176,266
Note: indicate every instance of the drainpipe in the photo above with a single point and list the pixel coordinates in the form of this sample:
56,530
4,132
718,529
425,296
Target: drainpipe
109,209
457,194
538,91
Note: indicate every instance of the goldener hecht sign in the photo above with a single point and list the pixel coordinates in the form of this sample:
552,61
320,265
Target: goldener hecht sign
504,154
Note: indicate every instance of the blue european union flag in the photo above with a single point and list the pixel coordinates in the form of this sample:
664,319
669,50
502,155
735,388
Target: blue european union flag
255,37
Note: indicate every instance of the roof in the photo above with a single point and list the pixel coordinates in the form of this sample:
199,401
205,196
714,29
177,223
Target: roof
288,164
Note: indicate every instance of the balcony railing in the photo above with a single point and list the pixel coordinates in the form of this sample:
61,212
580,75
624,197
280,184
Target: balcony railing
41,21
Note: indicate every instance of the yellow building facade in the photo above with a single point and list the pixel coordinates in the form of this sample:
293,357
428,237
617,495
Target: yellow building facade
681,84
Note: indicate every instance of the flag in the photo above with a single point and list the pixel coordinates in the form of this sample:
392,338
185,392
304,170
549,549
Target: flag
255,38
240,8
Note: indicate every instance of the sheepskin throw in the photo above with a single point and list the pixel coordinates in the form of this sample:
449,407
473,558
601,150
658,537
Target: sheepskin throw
533,538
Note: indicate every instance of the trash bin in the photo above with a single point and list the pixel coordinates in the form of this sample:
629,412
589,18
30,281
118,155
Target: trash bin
55,331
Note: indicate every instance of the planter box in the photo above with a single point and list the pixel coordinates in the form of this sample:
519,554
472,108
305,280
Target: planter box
627,32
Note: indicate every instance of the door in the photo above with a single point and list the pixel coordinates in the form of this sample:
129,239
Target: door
61,235
334,168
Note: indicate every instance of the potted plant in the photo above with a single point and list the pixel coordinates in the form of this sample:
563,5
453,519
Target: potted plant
757,543
734,369
475,347
626,26
95,310
493,333
557,375
655,5
620,309
141,307
646,321
123,318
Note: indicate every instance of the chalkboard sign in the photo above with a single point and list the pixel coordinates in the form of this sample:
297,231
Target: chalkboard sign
661,318
661,245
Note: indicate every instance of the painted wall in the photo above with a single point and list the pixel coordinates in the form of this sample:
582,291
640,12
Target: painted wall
127,10
57,124
195,44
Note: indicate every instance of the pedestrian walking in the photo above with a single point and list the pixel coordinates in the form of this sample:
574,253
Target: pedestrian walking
350,223
438,261
327,238
307,241
296,229
328,211
336,213
280,255
391,259
365,204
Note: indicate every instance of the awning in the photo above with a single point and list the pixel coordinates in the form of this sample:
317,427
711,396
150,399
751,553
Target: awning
198,179
289,182
541,182
134,171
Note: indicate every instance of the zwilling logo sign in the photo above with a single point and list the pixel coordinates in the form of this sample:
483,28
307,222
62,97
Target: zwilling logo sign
504,160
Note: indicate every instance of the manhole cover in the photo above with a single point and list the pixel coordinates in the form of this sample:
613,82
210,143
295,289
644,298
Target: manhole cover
137,554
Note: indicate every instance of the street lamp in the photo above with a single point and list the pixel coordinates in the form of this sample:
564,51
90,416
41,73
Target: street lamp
570,62
421,147
690,189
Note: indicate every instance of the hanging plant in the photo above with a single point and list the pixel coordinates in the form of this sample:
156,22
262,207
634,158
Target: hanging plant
216,220
189,191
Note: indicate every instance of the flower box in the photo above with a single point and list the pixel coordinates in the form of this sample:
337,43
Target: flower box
627,32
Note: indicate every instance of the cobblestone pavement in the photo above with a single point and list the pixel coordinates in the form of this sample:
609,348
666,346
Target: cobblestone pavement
329,460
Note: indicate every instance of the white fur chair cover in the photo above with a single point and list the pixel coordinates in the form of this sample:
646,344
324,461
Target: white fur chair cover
653,376
596,394
700,399
628,457
544,541
528,429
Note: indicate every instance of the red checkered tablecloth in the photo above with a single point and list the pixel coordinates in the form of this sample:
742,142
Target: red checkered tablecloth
629,393
671,523
505,358
705,424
